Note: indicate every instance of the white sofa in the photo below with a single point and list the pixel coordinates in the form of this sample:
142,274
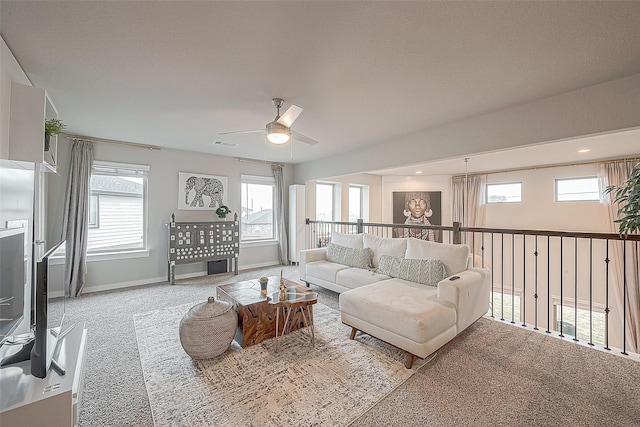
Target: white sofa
415,317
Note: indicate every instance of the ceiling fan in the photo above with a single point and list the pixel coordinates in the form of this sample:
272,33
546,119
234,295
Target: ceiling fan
279,130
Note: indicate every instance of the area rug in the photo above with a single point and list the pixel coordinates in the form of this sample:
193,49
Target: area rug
329,385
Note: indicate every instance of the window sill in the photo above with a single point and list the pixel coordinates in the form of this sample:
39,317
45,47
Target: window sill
106,256
258,243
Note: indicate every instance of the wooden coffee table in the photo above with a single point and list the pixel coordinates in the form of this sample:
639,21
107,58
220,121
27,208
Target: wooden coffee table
256,317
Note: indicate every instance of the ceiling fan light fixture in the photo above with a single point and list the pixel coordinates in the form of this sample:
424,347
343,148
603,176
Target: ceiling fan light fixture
278,133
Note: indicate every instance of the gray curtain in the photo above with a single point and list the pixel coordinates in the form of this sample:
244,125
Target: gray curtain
76,216
283,253
616,174
469,208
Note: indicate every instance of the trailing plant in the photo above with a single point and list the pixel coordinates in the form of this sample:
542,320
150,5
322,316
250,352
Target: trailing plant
223,211
53,126
628,197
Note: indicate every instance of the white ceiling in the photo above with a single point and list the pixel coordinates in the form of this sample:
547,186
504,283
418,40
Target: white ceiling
175,74
617,145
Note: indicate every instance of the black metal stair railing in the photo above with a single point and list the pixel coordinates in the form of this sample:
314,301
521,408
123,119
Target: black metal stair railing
567,277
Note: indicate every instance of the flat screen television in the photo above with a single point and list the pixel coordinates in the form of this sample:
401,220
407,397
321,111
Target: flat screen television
47,315
12,280
48,312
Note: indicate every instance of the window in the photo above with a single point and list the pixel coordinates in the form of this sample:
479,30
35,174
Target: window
93,211
117,208
577,189
584,317
257,219
504,193
324,201
355,203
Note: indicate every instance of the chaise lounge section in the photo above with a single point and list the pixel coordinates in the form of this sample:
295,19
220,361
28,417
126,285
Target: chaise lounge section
415,295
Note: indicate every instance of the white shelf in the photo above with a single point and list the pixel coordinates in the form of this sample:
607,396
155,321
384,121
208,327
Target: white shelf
53,401
29,108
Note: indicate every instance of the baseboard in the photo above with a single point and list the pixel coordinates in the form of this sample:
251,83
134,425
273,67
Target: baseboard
260,265
129,284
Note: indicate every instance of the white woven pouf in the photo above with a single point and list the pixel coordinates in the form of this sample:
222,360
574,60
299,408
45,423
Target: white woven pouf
207,330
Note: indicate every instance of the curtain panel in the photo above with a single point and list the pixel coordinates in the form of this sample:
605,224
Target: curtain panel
76,217
469,208
283,250
616,174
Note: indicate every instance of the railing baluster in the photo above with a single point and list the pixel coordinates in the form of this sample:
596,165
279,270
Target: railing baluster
548,284
624,298
606,304
502,276
591,292
492,279
535,284
561,284
575,289
513,278
523,300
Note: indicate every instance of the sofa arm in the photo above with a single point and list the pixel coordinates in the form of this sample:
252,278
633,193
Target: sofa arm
470,295
310,255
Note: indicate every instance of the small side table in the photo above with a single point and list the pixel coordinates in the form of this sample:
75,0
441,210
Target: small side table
295,302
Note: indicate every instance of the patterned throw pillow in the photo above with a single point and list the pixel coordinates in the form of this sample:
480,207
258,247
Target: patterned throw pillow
352,257
425,271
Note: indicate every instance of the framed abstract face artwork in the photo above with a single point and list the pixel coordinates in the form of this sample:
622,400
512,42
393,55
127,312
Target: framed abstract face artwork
417,208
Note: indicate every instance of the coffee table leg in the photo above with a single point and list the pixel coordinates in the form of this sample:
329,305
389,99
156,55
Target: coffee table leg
277,321
309,325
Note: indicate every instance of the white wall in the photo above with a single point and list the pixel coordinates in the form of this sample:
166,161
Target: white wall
538,209
162,202
601,108
373,182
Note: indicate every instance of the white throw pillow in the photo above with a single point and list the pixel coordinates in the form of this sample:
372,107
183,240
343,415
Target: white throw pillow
425,271
353,257
384,246
454,257
348,240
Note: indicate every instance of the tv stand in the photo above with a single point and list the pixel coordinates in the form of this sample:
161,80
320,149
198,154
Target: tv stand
25,353
21,355
53,401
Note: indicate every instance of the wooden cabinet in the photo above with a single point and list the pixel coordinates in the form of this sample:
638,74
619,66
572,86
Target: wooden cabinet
29,108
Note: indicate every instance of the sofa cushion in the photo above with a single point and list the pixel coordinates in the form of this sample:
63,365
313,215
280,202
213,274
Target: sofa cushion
384,246
324,270
354,277
425,271
348,240
352,257
411,312
454,257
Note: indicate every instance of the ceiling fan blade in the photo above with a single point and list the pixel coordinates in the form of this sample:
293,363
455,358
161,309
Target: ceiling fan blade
290,116
303,138
242,131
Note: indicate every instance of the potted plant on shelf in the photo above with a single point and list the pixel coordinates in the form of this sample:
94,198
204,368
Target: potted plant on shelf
52,127
628,197
223,211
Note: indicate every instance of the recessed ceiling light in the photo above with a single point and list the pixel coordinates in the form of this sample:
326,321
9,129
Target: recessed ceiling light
418,172
584,150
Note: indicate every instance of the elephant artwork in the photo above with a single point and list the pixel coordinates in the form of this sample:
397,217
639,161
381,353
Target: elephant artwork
197,187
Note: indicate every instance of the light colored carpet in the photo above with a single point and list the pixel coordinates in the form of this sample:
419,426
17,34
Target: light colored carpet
331,384
492,374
